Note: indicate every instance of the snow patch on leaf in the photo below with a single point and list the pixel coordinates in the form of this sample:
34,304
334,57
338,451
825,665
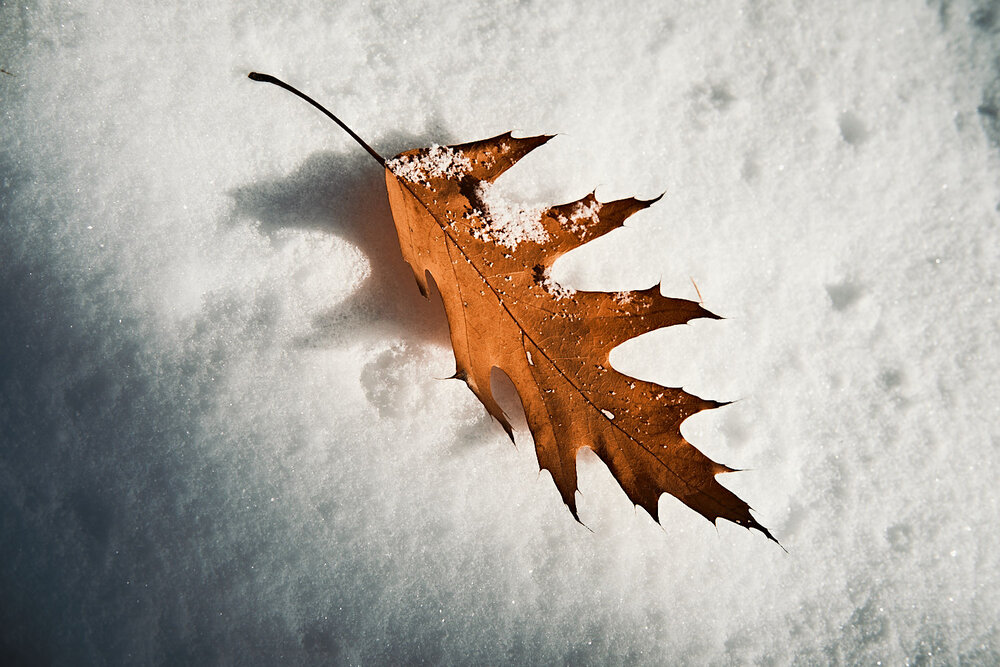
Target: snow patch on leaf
436,162
581,212
554,288
505,222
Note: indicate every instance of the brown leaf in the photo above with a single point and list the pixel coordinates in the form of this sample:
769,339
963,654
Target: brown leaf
491,266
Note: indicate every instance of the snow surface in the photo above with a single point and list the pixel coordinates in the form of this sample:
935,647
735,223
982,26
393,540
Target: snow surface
223,436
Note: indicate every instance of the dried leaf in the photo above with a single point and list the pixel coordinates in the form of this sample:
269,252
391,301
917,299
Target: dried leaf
491,263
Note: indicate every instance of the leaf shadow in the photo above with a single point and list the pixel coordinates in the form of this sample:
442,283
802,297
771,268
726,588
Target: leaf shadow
343,194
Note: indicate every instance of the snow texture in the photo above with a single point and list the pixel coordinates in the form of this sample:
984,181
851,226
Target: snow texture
437,162
504,221
580,213
222,436
556,288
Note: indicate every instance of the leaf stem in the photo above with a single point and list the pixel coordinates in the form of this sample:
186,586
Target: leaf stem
267,78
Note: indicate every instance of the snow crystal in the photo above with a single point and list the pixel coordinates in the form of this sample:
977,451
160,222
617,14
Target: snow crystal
623,298
554,288
505,222
580,215
436,162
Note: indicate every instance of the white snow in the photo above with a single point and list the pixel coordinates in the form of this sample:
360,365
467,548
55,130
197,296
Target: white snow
507,222
556,288
437,162
580,213
204,309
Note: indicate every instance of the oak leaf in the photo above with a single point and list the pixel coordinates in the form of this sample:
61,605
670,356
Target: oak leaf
491,263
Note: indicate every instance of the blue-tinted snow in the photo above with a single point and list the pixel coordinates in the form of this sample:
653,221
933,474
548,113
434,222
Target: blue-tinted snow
222,439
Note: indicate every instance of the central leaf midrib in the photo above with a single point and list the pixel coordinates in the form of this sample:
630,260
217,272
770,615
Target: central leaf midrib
524,332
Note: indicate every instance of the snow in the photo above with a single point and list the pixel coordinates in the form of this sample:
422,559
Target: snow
437,162
504,221
204,309
580,212
556,288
